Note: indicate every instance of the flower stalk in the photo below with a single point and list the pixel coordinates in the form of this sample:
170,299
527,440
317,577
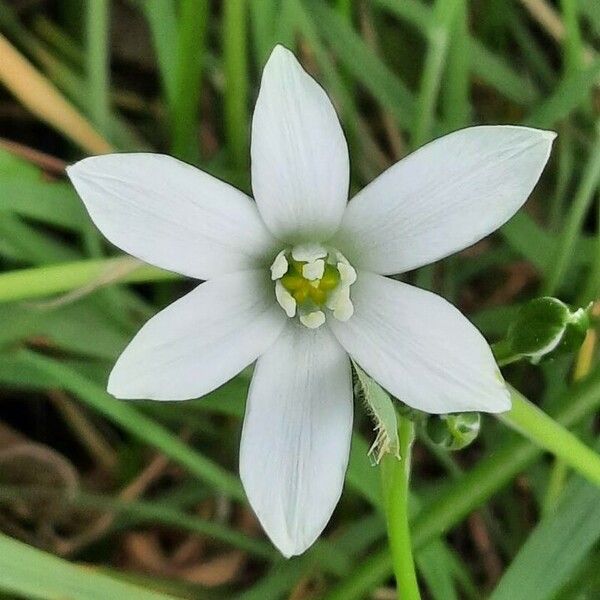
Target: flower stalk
395,475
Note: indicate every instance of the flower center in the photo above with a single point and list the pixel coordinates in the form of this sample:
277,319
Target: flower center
310,280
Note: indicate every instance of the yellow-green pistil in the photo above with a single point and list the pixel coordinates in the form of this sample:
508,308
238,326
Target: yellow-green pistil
303,290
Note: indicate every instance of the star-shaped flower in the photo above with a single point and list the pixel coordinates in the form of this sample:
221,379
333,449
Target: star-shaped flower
296,281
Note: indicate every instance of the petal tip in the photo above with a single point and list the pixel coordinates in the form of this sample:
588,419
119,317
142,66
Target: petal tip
116,389
72,171
279,50
280,55
80,170
502,401
545,135
119,384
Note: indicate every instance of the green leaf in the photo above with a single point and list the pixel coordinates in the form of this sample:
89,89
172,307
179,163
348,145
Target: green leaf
381,408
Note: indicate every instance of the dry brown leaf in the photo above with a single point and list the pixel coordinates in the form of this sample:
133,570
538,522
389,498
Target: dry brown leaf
38,95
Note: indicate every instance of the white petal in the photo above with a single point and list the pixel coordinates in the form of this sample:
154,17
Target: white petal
296,435
201,341
308,252
300,165
171,214
443,198
420,348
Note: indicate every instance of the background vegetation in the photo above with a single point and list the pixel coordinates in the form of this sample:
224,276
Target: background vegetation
146,495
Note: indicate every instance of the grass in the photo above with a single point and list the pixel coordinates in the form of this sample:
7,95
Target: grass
146,495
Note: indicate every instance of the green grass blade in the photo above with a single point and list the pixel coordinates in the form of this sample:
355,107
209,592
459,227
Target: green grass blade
492,69
571,92
30,245
235,67
127,416
575,218
455,90
162,20
97,61
438,41
54,279
363,64
436,567
191,39
50,203
573,43
263,17
555,549
34,574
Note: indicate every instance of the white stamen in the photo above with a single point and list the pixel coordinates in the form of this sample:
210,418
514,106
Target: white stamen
344,309
347,273
285,299
280,266
341,305
308,252
314,270
313,320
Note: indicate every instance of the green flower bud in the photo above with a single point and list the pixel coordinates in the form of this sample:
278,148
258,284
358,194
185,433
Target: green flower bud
546,328
453,432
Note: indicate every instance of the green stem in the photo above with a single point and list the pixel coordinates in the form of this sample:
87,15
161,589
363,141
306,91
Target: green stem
456,500
395,479
545,432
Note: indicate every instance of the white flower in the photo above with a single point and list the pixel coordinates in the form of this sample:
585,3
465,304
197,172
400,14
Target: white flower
296,282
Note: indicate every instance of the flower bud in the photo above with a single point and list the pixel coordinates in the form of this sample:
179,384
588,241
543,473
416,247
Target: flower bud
546,328
453,432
